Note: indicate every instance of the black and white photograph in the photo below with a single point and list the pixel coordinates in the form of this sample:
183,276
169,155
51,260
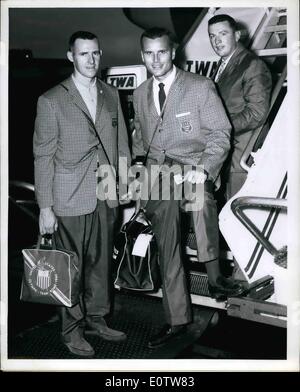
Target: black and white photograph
150,186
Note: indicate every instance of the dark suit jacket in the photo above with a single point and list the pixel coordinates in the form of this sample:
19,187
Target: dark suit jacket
194,129
66,146
245,87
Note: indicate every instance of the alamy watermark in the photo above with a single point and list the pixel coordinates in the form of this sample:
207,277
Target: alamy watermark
155,182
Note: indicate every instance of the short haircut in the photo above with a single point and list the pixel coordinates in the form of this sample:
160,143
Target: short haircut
157,32
223,18
82,35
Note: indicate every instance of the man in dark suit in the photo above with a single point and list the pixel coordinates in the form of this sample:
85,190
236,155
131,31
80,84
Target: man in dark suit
79,128
180,122
244,83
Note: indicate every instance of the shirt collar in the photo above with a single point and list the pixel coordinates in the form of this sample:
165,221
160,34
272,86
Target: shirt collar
83,82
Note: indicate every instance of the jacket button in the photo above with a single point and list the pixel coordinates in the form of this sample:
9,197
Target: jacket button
163,151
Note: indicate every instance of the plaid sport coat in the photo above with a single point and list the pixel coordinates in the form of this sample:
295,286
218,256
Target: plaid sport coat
194,129
66,146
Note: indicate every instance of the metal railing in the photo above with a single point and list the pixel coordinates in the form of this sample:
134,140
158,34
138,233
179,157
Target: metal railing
242,203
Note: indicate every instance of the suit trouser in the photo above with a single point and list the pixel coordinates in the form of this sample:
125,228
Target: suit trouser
91,237
206,229
165,217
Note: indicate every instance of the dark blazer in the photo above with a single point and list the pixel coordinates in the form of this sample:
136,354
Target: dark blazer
245,87
195,128
66,146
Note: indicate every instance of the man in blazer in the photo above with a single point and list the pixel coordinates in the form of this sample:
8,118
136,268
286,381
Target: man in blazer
244,83
180,121
79,128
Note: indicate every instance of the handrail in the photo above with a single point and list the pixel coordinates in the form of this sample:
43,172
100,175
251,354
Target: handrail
241,203
22,184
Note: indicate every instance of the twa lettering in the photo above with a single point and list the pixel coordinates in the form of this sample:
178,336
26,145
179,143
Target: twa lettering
123,82
205,68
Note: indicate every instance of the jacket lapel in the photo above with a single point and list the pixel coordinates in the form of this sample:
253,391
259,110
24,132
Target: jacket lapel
150,99
175,89
100,101
69,86
75,96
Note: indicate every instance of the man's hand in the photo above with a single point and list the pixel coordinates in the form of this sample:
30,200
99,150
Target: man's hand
126,198
47,221
195,177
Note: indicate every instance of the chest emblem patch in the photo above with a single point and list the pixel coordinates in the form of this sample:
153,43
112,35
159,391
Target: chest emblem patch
186,126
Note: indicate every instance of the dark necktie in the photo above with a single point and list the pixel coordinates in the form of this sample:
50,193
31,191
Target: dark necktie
161,95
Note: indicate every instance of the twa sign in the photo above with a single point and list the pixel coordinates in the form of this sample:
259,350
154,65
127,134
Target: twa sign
123,82
127,77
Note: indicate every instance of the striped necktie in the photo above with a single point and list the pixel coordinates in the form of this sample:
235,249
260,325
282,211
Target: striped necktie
220,70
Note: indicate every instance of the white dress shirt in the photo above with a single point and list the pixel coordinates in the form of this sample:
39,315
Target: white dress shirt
167,84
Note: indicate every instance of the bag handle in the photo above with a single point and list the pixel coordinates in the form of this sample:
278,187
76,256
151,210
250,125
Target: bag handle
41,241
136,214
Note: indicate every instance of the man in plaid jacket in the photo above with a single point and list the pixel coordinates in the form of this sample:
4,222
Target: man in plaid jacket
180,121
79,128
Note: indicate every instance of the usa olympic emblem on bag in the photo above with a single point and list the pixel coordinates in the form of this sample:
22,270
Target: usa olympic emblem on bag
43,277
